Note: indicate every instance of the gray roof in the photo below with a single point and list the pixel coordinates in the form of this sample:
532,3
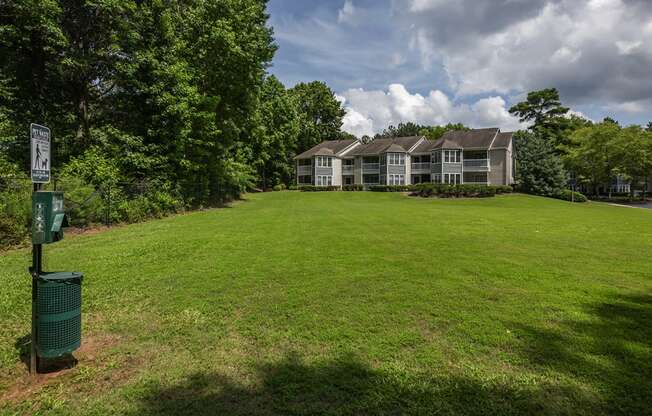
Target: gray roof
327,148
503,140
426,146
396,144
471,139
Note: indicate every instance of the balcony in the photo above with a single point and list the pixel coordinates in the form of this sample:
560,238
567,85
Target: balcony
304,170
423,166
476,165
347,169
371,167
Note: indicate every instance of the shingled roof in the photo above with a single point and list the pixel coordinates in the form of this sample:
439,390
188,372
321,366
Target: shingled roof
327,148
396,144
503,140
467,139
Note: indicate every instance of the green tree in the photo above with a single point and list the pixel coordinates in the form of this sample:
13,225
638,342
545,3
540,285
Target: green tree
594,156
401,130
649,126
547,116
633,153
320,113
435,132
539,170
274,135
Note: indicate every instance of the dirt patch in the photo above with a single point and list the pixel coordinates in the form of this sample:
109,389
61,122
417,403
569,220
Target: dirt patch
26,385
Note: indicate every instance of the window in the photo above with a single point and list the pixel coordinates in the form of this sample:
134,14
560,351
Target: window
436,178
452,178
396,179
324,161
347,162
452,156
305,179
324,180
396,159
436,156
370,179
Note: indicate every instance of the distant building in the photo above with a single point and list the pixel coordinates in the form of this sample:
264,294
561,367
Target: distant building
481,156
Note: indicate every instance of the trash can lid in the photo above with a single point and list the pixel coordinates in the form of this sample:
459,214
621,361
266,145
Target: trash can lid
60,275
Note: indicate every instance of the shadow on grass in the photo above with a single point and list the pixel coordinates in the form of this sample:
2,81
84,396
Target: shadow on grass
611,352
598,366
348,387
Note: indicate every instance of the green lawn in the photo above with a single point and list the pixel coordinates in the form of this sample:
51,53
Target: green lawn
351,303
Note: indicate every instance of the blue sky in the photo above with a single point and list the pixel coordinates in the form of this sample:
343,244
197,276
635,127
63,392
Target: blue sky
438,61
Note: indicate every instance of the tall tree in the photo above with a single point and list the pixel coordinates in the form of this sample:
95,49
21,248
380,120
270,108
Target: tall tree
435,132
544,110
274,134
539,170
593,155
633,153
401,130
320,112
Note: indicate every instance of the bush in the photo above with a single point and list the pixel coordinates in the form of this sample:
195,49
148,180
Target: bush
441,190
279,187
504,189
15,210
293,187
353,188
313,188
392,188
568,195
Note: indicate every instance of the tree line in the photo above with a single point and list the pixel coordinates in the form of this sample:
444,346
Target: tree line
561,149
169,91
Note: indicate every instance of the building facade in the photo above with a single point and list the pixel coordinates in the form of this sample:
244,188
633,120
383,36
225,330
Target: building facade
481,156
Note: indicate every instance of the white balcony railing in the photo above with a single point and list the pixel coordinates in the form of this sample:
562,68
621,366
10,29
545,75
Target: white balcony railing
476,163
305,170
370,166
347,169
421,166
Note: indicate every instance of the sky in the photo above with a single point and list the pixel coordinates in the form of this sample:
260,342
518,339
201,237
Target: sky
439,61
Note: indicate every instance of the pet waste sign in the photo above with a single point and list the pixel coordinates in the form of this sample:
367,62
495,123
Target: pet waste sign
40,139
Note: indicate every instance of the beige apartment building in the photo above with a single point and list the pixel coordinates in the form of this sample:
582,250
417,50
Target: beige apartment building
480,156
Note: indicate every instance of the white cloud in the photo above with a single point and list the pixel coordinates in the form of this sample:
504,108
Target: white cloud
630,107
591,50
346,13
369,112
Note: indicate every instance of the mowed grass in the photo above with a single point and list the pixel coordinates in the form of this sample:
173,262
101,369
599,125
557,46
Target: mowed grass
351,303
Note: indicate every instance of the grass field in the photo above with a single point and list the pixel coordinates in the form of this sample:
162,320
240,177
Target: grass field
351,303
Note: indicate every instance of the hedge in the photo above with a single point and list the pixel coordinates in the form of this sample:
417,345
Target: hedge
568,195
313,188
353,188
393,188
428,190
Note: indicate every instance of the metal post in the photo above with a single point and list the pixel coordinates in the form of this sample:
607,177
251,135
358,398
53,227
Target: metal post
37,258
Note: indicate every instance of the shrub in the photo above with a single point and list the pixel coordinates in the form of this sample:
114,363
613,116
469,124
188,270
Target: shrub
313,188
568,195
442,190
392,188
504,189
293,187
353,188
279,187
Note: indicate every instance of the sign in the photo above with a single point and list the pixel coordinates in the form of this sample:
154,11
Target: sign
40,140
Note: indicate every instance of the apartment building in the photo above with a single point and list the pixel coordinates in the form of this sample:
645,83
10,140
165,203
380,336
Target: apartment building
481,156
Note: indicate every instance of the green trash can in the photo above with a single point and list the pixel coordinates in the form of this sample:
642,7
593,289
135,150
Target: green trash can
58,313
